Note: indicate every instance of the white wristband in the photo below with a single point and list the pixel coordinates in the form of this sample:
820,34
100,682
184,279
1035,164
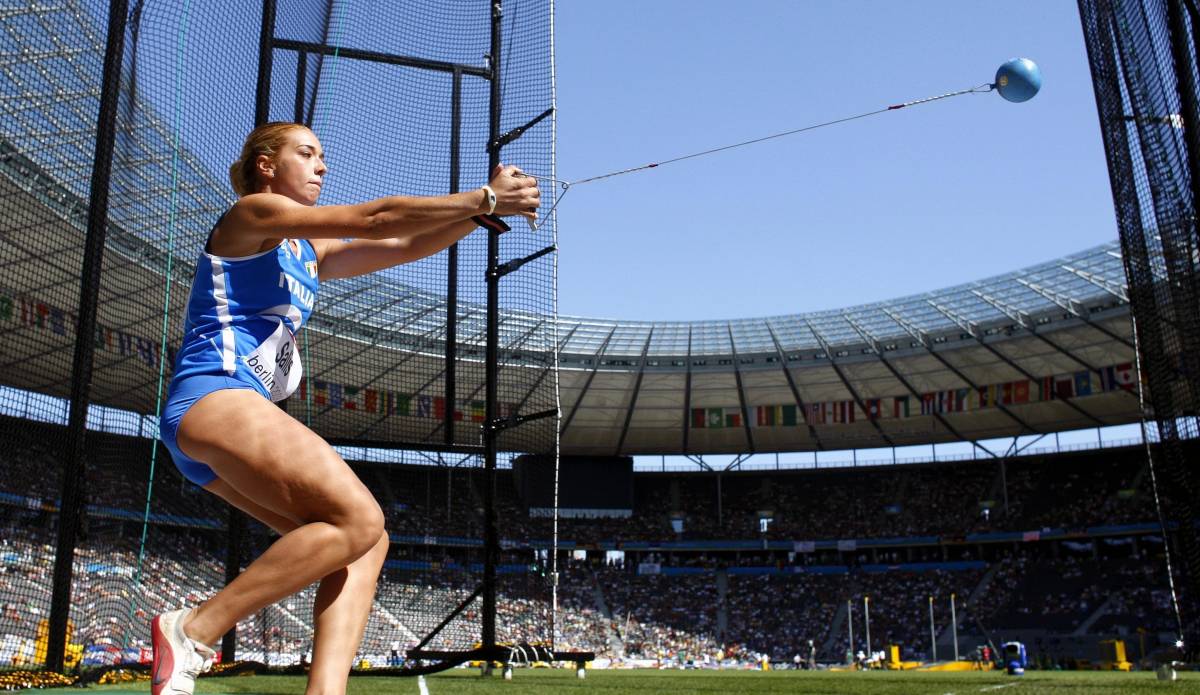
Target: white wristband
491,199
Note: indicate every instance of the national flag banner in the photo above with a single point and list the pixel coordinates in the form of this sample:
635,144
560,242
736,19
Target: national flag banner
787,416
873,408
814,414
424,406
928,403
960,399
370,401
1047,391
1006,394
716,417
399,404
1107,379
1021,391
477,411
350,398
1031,536
989,396
439,408
733,417
1121,377
900,406
1083,383
766,416
1064,386
320,392
699,418
1129,376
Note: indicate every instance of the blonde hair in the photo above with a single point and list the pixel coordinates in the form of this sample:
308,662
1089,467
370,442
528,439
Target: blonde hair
266,139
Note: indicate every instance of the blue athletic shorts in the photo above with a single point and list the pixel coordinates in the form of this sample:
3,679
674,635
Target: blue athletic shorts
181,396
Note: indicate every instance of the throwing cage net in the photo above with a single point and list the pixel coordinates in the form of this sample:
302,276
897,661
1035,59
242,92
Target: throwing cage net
1143,59
118,122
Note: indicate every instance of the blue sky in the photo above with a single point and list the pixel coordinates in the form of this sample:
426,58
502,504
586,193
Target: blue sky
892,205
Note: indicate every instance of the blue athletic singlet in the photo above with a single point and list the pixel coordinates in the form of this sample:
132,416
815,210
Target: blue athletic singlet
243,314
239,332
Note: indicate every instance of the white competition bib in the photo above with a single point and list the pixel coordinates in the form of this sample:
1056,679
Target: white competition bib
276,363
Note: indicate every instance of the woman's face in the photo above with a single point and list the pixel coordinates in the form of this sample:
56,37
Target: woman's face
298,169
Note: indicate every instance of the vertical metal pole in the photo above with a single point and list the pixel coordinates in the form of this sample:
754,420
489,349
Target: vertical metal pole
236,529
452,265
1184,290
850,624
720,523
867,622
71,509
312,97
932,631
301,85
954,626
233,567
266,38
1004,484
491,542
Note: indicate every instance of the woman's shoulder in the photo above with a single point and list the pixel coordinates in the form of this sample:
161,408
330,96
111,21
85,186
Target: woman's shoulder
240,231
255,205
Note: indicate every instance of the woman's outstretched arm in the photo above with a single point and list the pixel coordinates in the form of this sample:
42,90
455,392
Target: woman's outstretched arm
262,217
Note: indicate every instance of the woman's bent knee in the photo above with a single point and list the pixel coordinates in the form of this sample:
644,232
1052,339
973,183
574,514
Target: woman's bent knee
365,529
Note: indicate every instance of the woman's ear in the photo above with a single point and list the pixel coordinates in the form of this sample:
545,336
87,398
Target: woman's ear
265,166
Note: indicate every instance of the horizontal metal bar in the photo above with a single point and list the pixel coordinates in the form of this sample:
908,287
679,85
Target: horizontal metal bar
376,57
407,446
499,653
512,421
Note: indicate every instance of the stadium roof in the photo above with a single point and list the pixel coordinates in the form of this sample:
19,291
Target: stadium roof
1038,350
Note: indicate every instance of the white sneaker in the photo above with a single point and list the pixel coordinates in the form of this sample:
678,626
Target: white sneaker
177,659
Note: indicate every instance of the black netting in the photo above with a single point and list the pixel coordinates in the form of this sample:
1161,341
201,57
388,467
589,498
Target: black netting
389,89
1144,69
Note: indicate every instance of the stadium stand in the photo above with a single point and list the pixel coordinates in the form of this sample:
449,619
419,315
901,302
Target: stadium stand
717,591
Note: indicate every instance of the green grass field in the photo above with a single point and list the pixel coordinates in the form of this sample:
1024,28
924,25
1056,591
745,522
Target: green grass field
538,682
